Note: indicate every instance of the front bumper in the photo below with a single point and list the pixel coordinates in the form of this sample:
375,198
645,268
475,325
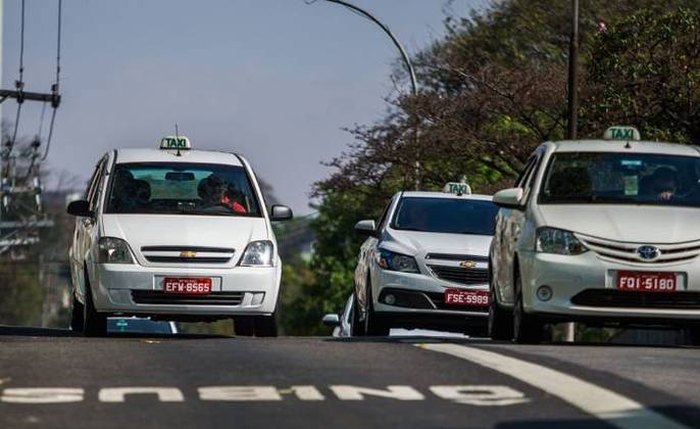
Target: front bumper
138,290
424,294
584,288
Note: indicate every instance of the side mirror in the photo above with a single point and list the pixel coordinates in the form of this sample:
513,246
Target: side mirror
366,227
509,198
331,319
80,208
280,212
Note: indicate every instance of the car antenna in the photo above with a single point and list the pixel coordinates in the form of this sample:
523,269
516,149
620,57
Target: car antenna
177,138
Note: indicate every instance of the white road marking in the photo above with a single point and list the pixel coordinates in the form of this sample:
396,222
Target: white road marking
487,396
239,393
597,401
355,393
304,393
42,395
117,394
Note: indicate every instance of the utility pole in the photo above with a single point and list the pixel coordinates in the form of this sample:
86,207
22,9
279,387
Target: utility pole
570,328
409,68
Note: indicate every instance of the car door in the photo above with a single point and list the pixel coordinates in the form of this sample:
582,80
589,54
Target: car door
85,227
509,223
367,257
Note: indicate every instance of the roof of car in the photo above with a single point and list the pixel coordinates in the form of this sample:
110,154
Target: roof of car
194,156
625,146
425,194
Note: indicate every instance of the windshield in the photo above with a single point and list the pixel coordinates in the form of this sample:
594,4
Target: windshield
621,178
446,215
181,188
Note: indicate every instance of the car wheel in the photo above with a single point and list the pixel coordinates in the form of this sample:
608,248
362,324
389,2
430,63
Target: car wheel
358,326
526,328
694,336
95,323
244,326
500,320
265,326
375,325
77,321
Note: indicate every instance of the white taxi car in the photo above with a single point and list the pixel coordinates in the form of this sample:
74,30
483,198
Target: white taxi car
175,234
598,231
424,264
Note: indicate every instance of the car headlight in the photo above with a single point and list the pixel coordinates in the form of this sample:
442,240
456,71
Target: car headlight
558,241
257,254
397,262
113,250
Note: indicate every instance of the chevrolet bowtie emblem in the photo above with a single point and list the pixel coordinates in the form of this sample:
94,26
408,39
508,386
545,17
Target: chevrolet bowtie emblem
467,264
188,254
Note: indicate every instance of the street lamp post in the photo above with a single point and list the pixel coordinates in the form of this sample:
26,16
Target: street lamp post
406,60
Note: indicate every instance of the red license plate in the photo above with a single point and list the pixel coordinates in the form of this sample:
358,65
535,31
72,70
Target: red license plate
647,282
187,285
468,298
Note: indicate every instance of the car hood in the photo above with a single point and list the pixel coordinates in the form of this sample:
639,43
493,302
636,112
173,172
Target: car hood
178,230
420,243
629,223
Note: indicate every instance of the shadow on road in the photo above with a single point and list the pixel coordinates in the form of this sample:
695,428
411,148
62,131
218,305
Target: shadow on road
28,331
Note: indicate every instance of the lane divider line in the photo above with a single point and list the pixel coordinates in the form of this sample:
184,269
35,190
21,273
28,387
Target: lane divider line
597,401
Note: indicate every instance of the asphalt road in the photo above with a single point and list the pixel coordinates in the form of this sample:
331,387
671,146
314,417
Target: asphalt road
53,379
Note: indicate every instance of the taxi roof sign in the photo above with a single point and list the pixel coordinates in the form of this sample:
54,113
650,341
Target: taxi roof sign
624,133
459,188
175,143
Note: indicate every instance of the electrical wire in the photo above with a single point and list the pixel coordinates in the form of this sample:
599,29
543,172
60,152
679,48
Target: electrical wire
19,84
54,88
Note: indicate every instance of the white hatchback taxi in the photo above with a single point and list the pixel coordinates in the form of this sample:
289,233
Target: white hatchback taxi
175,234
424,264
606,232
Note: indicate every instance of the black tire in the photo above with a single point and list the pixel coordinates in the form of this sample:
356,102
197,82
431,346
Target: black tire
77,321
244,326
266,326
500,326
694,336
95,323
526,328
375,325
358,326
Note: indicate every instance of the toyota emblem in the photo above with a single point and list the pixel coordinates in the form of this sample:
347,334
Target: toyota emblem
648,253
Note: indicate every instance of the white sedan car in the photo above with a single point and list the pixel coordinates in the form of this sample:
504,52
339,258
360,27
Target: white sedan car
175,234
604,232
425,265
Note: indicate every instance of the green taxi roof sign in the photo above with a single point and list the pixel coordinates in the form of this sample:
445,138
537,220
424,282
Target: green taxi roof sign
625,133
175,143
459,188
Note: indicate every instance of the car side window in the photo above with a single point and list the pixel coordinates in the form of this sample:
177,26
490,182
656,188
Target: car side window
96,185
525,174
382,219
529,180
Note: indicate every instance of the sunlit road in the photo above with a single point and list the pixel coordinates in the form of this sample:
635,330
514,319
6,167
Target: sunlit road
54,379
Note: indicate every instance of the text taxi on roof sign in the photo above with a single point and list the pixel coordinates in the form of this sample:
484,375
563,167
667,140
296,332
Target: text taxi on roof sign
177,234
601,231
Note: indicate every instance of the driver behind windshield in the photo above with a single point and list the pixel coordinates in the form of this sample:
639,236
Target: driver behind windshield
214,191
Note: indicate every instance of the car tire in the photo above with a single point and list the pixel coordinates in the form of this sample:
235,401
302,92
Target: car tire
358,326
375,325
244,326
694,336
95,324
77,321
500,325
265,326
526,328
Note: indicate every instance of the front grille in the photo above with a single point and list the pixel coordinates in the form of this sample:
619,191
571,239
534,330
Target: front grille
180,254
465,276
162,298
453,257
438,299
632,299
627,252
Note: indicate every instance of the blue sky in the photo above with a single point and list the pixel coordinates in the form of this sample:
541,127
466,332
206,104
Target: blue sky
275,80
